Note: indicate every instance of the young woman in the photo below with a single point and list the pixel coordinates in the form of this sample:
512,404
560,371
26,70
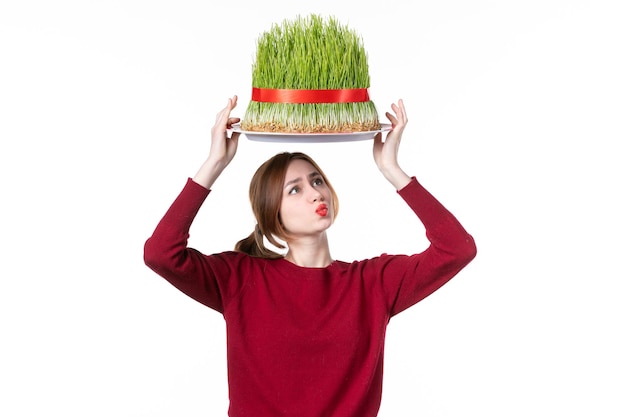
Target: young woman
305,332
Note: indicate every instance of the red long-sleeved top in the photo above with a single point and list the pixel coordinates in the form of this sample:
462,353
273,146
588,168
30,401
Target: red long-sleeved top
307,342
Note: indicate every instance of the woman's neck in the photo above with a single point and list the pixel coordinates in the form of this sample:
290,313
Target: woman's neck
310,254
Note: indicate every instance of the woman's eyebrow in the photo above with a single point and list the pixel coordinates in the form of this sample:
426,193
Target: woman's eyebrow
294,181
299,179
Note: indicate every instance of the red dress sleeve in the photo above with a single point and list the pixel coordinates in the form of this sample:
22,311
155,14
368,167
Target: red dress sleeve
205,278
451,248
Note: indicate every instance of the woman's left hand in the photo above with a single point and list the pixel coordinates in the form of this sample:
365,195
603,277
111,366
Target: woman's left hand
386,153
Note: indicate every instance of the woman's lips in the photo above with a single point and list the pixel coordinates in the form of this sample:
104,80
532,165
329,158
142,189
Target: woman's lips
322,210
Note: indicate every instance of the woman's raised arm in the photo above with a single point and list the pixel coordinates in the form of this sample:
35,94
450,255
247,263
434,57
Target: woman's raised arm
223,148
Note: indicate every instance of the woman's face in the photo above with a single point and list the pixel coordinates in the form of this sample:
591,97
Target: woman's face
306,207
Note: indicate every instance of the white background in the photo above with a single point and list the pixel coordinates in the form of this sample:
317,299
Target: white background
516,124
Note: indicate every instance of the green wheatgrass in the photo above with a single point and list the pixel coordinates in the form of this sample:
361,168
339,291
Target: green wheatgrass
310,53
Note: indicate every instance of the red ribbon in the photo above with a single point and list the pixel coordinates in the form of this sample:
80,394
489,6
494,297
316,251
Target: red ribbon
276,95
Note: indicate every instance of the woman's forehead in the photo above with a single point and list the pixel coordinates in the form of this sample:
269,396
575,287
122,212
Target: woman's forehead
300,165
299,170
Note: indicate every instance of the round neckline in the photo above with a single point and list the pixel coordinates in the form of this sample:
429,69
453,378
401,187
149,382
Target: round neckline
310,269
305,272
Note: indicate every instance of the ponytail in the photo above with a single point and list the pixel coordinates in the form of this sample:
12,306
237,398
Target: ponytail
254,245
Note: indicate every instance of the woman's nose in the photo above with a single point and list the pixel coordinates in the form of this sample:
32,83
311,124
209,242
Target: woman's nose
316,195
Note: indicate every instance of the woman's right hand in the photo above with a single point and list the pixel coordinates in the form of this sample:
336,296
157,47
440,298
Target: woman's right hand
223,148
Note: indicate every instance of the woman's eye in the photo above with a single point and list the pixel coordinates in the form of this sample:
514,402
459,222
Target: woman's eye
318,181
294,190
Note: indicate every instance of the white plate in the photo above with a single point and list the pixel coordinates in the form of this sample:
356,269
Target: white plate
311,137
